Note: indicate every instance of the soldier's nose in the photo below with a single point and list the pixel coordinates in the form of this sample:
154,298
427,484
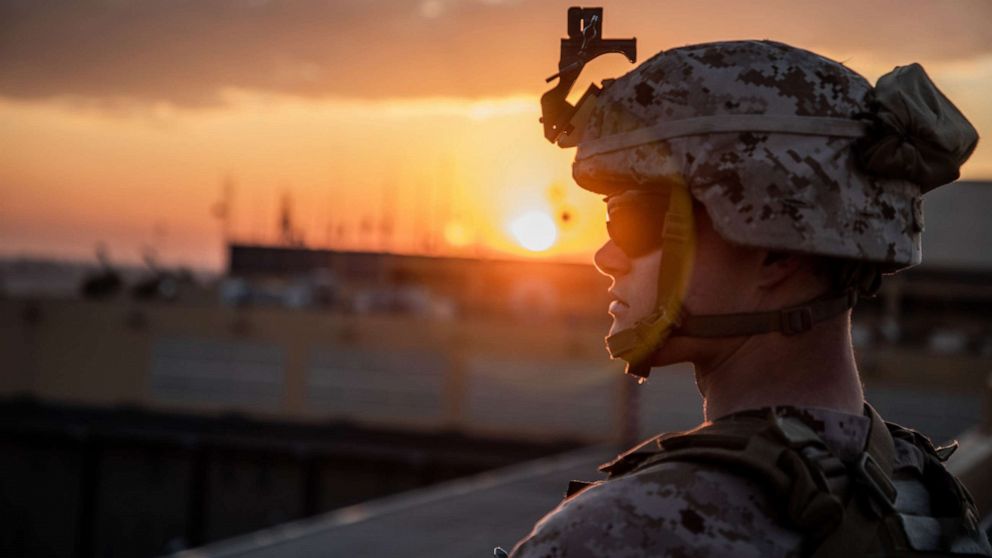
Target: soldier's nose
610,260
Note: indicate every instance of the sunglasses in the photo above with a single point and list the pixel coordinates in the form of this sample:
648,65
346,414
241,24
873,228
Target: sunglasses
636,221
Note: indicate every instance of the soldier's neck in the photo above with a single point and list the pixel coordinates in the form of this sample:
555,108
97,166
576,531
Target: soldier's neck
813,369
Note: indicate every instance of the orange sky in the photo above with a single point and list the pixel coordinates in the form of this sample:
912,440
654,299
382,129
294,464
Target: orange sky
119,121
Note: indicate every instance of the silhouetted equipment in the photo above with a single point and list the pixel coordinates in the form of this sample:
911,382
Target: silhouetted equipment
161,285
584,43
288,233
156,283
104,283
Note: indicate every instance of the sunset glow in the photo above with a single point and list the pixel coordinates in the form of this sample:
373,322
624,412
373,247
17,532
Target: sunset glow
457,234
424,140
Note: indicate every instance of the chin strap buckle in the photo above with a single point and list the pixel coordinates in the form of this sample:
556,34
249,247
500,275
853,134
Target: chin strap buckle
796,320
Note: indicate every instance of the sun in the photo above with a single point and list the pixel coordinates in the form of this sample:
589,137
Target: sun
534,230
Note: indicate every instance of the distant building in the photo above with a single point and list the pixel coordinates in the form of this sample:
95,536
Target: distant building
942,304
473,286
958,227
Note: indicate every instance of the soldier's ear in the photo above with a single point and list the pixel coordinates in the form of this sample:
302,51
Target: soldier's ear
780,266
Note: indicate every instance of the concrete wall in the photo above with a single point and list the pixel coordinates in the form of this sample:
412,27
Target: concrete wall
486,376
537,379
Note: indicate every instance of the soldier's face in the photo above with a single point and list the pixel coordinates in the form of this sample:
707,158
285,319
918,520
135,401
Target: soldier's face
634,290
724,280
632,256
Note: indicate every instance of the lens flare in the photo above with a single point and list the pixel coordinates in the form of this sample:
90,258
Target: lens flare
534,230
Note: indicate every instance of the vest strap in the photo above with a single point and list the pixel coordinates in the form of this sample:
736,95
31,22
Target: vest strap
873,499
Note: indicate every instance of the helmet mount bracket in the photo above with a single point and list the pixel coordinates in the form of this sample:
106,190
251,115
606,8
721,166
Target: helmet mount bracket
584,43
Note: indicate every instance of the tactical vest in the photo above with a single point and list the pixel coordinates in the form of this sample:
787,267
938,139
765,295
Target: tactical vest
844,509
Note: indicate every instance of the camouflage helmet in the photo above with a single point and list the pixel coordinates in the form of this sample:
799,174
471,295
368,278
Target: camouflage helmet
787,150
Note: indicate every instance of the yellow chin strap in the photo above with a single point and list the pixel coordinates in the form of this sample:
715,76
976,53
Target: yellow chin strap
637,344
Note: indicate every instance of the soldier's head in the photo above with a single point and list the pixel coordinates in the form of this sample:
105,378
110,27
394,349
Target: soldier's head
757,188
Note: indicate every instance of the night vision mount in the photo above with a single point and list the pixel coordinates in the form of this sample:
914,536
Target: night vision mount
585,42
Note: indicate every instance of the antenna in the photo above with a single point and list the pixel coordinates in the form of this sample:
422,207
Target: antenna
387,210
289,235
222,208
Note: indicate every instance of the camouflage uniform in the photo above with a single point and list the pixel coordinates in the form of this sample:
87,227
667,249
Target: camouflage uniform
689,509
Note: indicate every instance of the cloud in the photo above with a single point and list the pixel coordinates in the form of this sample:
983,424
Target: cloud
431,8
187,52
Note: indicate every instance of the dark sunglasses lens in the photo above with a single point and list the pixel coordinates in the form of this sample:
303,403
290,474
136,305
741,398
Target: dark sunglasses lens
635,231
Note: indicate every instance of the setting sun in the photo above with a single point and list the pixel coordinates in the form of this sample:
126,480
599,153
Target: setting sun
534,230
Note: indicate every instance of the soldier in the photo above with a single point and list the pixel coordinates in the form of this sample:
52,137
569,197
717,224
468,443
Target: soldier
754,191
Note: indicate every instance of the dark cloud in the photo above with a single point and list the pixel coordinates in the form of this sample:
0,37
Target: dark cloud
187,51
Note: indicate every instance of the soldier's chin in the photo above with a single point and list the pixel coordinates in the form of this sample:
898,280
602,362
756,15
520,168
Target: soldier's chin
623,317
618,326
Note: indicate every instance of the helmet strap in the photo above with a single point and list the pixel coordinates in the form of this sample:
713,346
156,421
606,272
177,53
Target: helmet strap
637,344
788,321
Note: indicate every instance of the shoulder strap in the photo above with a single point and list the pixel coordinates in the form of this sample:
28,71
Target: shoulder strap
873,499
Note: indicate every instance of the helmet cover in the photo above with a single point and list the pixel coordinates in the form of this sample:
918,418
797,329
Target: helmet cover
799,192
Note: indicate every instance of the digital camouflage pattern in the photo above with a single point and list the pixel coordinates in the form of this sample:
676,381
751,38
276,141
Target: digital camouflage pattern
671,510
693,510
776,191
